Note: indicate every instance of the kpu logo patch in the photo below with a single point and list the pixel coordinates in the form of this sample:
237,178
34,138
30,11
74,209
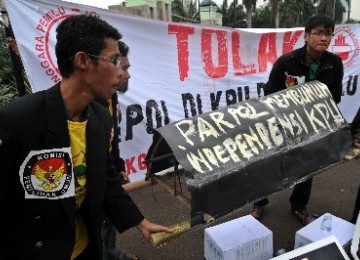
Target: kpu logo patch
48,174
291,81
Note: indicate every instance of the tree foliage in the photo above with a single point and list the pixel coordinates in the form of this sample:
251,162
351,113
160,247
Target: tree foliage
255,14
8,89
185,11
288,13
250,6
333,8
233,15
295,13
262,17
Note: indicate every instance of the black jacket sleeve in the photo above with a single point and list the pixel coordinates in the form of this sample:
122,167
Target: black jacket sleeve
276,79
336,87
355,127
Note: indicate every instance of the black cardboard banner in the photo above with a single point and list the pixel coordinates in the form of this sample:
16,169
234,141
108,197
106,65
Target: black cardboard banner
248,150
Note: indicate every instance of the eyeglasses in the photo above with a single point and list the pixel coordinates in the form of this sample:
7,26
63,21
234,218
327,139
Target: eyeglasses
115,61
322,33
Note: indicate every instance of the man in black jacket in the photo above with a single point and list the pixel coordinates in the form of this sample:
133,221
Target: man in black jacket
109,230
112,105
355,130
311,62
58,178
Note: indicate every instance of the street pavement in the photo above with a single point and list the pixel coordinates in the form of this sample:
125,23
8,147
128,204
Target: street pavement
333,191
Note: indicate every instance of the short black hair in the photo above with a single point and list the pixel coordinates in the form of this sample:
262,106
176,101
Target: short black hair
123,48
77,33
320,19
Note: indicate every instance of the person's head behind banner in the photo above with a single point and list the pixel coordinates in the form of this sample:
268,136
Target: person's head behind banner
123,49
125,64
81,33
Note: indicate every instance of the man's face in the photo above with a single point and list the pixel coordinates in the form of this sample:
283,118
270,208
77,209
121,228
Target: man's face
107,75
318,39
125,80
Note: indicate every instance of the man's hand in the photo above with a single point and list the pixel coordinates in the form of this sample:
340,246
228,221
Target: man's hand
124,177
12,45
355,152
147,228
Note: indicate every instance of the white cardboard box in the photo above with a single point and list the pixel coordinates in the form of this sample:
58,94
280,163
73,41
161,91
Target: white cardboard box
243,238
327,248
312,232
355,243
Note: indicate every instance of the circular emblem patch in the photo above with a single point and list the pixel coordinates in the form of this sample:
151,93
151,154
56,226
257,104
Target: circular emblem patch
48,174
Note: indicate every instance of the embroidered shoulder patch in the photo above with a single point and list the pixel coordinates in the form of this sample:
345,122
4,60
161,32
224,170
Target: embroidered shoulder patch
48,174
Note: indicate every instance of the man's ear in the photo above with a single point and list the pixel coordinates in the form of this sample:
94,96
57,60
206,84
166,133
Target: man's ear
306,35
82,61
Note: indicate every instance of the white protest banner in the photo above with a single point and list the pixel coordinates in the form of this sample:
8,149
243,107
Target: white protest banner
178,70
